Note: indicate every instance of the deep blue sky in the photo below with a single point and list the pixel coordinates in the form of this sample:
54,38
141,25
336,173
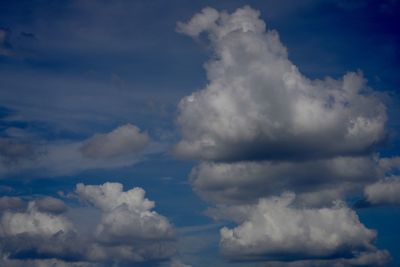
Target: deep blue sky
71,69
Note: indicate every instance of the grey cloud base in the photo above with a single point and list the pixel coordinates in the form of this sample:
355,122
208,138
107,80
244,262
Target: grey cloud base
128,232
257,104
316,182
273,230
260,128
126,215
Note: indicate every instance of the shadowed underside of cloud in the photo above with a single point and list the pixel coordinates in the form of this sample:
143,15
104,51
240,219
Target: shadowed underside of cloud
257,105
365,259
129,231
316,182
126,215
273,230
261,128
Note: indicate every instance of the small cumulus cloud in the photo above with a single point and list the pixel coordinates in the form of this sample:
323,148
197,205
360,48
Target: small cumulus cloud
386,191
128,232
124,140
32,233
121,147
127,216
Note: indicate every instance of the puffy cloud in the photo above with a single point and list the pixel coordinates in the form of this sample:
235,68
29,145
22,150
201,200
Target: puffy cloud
32,233
121,147
317,182
128,231
109,196
273,230
386,191
261,128
257,104
33,222
127,216
206,19
124,140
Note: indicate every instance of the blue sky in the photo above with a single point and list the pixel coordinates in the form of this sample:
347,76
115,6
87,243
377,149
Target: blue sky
223,112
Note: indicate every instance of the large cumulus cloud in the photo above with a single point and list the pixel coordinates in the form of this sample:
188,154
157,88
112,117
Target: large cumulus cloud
261,128
257,104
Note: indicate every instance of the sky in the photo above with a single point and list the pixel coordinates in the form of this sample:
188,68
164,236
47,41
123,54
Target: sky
199,133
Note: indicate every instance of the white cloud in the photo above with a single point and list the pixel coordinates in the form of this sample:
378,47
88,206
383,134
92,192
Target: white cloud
32,233
261,128
273,230
124,140
124,146
127,216
33,222
129,229
127,232
257,104
110,196
316,182
386,191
